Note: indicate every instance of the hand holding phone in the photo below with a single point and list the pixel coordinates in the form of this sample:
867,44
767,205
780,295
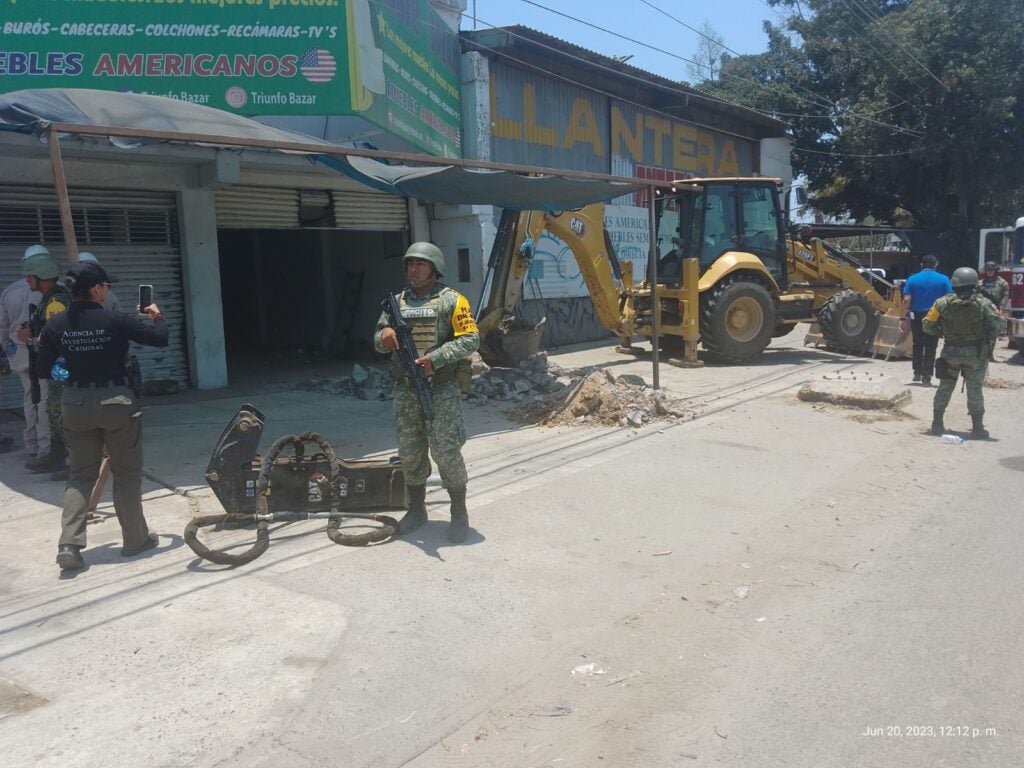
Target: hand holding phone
145,297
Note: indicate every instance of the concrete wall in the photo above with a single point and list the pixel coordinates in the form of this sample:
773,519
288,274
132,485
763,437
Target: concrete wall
775,159
472,227
201,277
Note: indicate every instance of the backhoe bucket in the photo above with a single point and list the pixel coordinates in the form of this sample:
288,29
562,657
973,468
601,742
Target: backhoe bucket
889,341
508,348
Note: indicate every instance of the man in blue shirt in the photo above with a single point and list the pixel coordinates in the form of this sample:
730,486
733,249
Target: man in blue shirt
919,293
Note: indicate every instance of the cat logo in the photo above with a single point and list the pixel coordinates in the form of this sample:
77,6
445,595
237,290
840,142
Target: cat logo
576,225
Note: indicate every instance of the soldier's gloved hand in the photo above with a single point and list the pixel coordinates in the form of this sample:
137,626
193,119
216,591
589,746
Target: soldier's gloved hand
389,339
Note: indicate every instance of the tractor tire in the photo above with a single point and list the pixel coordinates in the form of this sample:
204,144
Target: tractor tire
737,319
848,322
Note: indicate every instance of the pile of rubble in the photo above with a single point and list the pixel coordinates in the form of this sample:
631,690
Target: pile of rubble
540,392
364,383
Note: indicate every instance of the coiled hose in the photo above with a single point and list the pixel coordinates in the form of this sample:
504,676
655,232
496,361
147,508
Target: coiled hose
263,517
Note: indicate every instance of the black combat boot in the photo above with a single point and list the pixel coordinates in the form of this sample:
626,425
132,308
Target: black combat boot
459,527
977,427
69,557
937,426
416,514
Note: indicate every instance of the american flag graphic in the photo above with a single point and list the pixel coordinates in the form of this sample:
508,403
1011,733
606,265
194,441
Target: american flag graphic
318,65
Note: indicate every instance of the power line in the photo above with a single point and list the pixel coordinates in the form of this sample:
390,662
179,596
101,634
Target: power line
799,150
666,14
860,39
876,23
689,92
660,50
587,87
647,82
823,104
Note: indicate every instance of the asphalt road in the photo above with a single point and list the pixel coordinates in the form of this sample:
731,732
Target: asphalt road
774,583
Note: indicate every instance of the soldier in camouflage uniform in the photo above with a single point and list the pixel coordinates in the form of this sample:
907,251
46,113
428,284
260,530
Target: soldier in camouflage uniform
993,287
969,323
996,290
445,334
41,273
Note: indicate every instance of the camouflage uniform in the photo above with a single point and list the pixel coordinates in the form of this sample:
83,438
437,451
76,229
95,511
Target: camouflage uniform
444,330
55,301
968,327
995,289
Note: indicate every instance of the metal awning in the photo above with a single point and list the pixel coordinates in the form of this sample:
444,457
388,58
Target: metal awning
129,120
481,186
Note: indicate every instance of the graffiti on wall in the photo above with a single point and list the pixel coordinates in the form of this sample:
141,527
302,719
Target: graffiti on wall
554,273
569,321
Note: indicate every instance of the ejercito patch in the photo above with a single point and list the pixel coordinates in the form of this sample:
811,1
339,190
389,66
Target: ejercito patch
414,313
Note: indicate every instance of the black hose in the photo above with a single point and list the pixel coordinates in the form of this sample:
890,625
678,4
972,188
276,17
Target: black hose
388,529
223,558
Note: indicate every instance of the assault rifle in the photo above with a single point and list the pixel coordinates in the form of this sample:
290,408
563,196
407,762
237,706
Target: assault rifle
407,355
33,375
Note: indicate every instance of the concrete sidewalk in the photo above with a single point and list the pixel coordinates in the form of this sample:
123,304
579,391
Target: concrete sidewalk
317,654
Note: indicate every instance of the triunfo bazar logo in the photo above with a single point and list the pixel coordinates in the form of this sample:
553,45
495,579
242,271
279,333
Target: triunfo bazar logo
236,97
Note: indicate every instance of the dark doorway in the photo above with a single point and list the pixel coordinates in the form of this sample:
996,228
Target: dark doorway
305,292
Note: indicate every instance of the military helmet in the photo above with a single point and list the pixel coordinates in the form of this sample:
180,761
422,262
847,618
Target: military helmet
991,265
964,277
428,252
42,265
35,250
87,256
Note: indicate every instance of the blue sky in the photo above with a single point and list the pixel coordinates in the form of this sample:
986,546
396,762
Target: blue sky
739,22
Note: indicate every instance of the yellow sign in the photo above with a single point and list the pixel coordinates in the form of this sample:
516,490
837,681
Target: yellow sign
643,136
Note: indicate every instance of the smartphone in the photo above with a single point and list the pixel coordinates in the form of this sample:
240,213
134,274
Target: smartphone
145,297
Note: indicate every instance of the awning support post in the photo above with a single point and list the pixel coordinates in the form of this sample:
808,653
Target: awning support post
61,186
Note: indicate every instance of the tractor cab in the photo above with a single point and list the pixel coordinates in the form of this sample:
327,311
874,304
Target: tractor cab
709,219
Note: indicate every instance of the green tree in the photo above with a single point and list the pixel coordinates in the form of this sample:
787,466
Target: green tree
911,111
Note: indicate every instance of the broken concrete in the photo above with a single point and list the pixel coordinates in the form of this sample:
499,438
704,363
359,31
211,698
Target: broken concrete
857,390
542,392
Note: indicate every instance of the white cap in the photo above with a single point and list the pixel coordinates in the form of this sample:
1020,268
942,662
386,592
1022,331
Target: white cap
35,250
87,256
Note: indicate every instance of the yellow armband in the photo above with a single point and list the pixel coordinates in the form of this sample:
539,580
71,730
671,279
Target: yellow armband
462,318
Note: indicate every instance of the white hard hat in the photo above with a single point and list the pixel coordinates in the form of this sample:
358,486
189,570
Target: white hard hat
87,256
35,250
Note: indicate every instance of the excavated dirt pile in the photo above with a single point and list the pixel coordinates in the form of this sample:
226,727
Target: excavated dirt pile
540,392
601,399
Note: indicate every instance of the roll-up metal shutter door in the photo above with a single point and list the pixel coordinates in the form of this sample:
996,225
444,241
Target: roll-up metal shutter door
376,211
134,234
257,208
280,208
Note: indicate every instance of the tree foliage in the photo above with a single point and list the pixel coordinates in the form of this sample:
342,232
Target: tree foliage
911,111
710,55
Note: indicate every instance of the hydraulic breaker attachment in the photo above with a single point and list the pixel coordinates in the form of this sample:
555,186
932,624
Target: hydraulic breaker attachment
299,478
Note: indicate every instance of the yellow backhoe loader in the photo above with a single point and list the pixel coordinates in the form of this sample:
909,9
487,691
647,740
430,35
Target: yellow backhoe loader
727,278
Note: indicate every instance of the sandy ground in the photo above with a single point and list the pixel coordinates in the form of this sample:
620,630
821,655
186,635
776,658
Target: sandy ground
770,583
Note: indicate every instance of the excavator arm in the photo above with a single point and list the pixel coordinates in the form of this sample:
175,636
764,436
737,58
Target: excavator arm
507,338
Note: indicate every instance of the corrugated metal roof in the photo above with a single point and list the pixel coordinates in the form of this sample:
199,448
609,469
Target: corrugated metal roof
513,41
